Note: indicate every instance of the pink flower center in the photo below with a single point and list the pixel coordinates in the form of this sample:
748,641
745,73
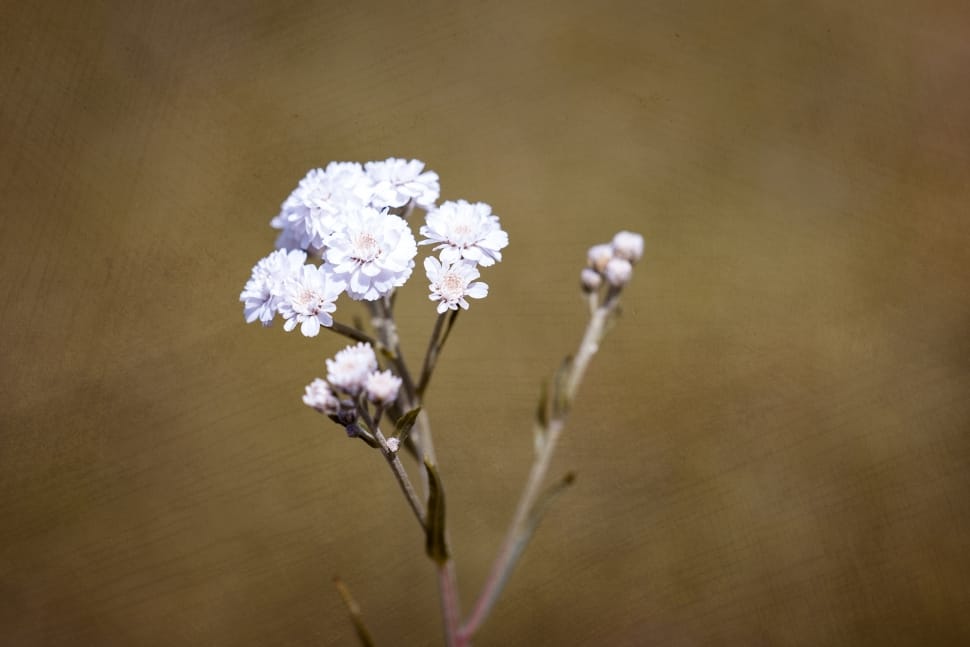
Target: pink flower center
452,286
366,247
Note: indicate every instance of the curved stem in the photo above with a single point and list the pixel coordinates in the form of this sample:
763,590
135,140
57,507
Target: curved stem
520,530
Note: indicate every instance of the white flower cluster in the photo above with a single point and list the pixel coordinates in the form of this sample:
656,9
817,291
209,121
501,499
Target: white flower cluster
612,262
350,217
466,235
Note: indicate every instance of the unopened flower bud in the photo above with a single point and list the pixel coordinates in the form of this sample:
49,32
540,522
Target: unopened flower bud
628,245
618,272
393,444
590,279
321,397
599,255
347,416
382,387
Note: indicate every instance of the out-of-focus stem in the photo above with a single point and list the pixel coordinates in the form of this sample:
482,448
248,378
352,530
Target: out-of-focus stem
351,332
450,612
519,530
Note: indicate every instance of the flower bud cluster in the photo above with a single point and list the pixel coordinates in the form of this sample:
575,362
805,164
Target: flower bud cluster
354,374
611,263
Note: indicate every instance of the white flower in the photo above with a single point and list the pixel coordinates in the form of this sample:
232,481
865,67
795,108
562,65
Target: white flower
373,253
618,272
308,299
314,210
382,387
321,397
452,282
628,245
349,368
397,182
262,292
463,230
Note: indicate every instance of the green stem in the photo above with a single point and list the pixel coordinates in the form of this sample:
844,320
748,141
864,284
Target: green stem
525,517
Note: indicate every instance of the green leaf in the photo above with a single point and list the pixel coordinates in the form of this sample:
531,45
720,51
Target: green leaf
363,635
544,502
560,398
405,422
542,418
435,544
542,411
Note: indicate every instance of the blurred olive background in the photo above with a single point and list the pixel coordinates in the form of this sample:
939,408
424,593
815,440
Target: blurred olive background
772,446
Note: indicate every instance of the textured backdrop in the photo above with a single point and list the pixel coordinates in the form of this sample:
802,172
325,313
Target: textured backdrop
772,446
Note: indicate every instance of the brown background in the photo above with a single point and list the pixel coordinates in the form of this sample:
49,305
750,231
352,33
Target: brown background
772,447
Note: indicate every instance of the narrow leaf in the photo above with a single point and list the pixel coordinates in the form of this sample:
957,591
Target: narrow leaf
542,411
435,525
560,398
544,503
542,419
405,423
363,635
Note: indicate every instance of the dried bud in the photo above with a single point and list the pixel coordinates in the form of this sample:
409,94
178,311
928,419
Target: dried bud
628,245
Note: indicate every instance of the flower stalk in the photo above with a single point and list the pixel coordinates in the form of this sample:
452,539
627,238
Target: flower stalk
345,230
527,512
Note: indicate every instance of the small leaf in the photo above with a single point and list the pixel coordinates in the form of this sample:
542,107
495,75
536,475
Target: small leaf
542,411
363,635
405,422
545,502
435,544
560,398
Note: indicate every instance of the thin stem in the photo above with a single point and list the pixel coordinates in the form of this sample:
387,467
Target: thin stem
396,466
435,345
383,321
450,612
405,482
447,579
519,530
351,332
431,354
